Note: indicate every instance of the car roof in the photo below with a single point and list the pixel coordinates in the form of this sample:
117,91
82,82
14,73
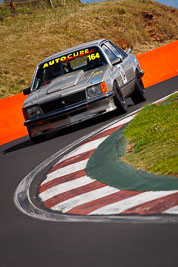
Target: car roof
74,48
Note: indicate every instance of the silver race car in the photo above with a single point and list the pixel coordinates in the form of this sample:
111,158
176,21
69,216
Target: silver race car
80,83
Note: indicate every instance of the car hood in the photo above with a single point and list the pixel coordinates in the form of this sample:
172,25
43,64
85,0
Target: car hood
66,84
65,81
79,78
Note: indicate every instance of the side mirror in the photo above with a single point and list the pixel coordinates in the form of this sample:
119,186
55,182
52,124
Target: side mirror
26,91
116,61
128,51
142,73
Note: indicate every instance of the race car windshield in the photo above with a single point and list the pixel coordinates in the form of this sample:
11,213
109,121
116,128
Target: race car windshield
85,59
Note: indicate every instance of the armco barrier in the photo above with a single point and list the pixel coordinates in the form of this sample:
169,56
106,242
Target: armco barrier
159,64
11,118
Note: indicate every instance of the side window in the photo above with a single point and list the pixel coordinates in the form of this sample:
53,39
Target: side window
114,50
108,52
117,50
122,52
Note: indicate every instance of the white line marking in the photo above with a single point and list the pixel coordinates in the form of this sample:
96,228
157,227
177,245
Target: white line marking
173,210
83,148
66,170
164,98
131,202
64,187
84,198
124,121
94,144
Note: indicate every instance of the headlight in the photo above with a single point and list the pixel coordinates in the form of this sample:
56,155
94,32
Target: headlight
32,112
94,90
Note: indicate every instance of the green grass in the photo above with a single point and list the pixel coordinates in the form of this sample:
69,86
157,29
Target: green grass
153,138
37,31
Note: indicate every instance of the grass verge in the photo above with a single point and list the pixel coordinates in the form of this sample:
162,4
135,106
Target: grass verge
38,31
153,138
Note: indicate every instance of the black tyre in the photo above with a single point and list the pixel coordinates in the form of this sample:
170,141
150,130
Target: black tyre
119,99
36,139
138,95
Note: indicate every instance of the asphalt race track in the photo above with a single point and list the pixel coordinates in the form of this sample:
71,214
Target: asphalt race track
26,242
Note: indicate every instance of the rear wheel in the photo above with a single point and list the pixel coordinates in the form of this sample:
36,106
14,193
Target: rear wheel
138,95
119,99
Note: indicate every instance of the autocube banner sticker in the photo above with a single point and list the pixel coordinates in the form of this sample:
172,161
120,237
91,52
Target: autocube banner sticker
70,56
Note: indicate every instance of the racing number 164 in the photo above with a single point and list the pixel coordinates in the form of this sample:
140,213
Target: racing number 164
94,56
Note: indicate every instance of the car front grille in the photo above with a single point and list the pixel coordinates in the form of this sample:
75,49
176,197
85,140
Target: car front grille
64,102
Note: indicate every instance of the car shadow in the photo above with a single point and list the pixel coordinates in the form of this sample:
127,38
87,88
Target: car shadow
82,125
22,145
57,133
107,117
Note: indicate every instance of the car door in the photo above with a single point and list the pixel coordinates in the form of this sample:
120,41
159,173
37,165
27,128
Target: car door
125,68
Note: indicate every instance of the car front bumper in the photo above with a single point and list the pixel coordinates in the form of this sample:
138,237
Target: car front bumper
71,115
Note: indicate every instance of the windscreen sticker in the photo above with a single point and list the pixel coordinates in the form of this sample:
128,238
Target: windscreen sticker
94,56
95,80
97,72
70,57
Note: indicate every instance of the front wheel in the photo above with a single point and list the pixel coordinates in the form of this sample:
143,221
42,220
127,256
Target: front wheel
138,95
119,99
36,139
